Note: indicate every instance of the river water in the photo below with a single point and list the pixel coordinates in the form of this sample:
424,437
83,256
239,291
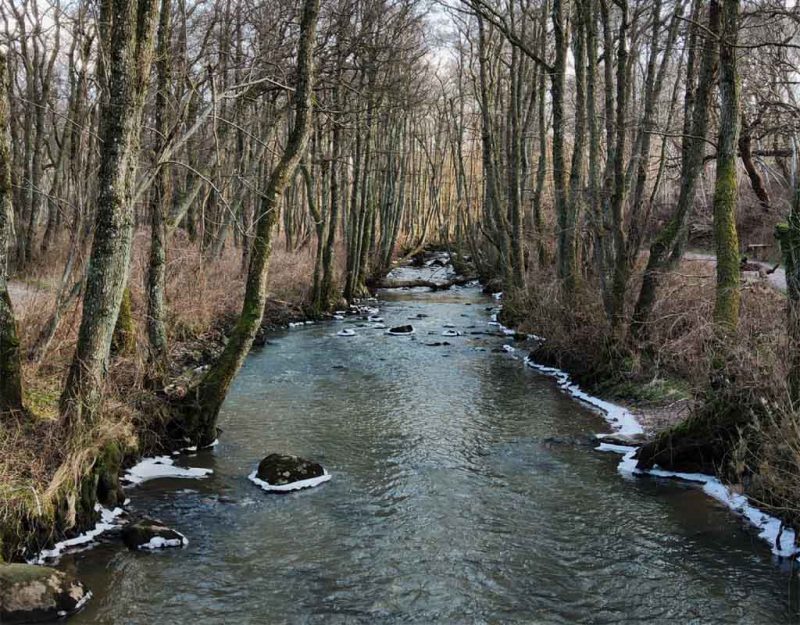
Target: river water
447,504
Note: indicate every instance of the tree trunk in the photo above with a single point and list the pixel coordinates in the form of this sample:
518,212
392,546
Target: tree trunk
567,262
159,196
746,152
10,360
327,286
198,414
726,190
127,39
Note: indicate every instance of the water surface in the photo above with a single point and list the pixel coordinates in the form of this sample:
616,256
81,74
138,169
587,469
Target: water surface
447,504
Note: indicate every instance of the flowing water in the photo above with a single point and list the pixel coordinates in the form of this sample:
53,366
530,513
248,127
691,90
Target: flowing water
447,503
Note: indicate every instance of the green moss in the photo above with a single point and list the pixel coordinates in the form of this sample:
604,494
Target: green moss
106,471
124,340
656,391
42,401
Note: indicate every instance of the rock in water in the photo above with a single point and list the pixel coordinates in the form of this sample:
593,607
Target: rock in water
147,535
31,594
406,329
278,469
579,440
282,473
624,440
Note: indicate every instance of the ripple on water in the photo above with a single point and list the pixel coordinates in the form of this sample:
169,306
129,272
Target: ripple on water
444,505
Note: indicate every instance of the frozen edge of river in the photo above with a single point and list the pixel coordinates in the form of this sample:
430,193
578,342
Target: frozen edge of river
291,486
781,539
109,519
146,469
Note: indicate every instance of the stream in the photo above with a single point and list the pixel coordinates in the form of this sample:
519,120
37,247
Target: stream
447,503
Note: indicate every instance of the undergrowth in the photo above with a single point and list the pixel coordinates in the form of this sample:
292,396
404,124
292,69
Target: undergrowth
42,472
740,407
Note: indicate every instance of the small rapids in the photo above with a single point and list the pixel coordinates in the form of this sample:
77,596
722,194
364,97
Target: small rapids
462,490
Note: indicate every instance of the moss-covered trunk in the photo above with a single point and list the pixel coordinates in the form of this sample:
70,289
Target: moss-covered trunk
10,360
126,28
197,415
788,235
726,188
703,443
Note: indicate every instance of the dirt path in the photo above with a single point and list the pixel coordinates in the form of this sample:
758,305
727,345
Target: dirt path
23,295
776,279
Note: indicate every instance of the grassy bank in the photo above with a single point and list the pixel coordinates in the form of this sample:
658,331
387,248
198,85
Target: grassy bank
670,379
48,481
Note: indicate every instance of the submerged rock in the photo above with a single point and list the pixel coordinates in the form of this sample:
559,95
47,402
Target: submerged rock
31,594
406,329
580,440
148,534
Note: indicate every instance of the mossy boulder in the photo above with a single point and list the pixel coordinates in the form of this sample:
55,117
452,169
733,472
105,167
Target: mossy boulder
280,469
149,534
32,594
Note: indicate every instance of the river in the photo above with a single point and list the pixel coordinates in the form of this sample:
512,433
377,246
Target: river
447,503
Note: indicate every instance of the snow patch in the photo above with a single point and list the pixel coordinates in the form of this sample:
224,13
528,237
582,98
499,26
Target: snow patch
78,606
620,419
194,448
108,520
285,488
158,467
770,529
159,542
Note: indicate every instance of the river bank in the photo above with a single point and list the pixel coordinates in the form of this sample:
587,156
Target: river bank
668,379
47,486
171,470
632,428
455,493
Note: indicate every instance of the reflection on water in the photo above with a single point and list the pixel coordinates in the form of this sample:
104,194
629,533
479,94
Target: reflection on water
445,506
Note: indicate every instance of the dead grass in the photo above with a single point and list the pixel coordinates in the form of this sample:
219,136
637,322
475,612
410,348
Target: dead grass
766,458
38,467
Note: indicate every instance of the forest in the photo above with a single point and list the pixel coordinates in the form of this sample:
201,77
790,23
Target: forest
199,201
